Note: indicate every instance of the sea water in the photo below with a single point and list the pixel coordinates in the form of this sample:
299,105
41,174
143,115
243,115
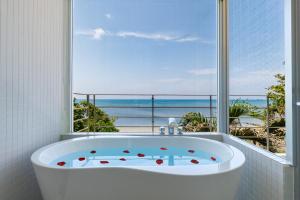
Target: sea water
150,156
145,111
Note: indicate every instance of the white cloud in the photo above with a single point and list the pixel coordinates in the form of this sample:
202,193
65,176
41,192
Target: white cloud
159,36
150,36
202,72
99,33
170,80
96,34
108,16
188,39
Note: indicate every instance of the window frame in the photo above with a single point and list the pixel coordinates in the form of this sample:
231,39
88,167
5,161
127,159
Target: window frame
292,64
292,34
223,67
292,75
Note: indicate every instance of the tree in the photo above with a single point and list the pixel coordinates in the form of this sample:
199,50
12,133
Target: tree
88,117
275,119
196,122
276,107
276,94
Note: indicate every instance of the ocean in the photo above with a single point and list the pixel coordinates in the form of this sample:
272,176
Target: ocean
138,112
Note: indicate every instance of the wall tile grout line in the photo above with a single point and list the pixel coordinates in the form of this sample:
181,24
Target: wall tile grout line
31,70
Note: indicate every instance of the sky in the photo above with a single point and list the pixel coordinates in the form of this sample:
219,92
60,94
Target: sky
169,46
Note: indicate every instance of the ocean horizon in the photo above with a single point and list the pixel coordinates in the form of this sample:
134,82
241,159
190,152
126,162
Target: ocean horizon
138,112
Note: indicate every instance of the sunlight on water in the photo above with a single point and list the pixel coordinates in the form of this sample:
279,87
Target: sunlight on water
150,156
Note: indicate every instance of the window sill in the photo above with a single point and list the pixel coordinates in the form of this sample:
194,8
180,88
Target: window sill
256,149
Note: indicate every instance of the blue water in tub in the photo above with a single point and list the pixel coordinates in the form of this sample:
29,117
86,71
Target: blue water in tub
150,156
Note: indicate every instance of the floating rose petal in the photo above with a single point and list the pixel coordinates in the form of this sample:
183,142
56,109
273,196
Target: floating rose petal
93,152
61,164
163,148
159,161
195,161
123,159
140,155
191,151
104,162
213,158
126,151
81,159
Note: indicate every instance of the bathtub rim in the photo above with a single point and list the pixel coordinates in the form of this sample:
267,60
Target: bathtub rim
236,162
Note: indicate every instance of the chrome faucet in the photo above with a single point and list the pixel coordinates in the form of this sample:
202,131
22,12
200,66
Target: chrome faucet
179,130
162,130
171,126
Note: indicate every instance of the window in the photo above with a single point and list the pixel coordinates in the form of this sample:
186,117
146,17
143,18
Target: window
257,73
137,63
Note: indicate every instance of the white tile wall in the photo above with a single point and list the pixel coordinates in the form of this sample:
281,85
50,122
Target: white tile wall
34,77
264,177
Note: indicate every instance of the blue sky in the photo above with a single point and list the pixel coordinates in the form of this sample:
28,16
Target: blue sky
169,46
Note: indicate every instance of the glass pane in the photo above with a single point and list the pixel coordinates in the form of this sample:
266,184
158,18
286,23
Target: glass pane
147,60
257,77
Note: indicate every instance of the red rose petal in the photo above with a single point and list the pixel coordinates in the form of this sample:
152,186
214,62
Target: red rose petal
140,155
195,161
126,151
93,152
104,162
61,163
159,161
81,158
163,148
213,158
191,151
123,159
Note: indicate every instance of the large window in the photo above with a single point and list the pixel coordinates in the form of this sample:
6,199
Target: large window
257,74
139,62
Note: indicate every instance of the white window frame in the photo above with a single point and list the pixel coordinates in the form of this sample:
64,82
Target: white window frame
223,67
292,64
292,76
71,16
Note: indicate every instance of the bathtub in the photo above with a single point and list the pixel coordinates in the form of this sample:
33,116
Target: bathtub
204,182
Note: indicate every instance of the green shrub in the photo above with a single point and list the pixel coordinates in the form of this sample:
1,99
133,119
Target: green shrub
196,122
90,118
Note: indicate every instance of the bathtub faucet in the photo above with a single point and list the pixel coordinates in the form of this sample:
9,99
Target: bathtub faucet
172,125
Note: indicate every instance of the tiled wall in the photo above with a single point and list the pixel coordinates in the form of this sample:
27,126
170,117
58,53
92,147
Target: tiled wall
34,77
264,177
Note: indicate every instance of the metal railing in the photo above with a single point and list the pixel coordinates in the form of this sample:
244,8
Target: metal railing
91,98
153,114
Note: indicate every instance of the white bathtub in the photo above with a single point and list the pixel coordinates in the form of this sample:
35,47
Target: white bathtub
203,182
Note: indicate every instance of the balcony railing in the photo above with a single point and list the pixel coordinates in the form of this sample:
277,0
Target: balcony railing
155,109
